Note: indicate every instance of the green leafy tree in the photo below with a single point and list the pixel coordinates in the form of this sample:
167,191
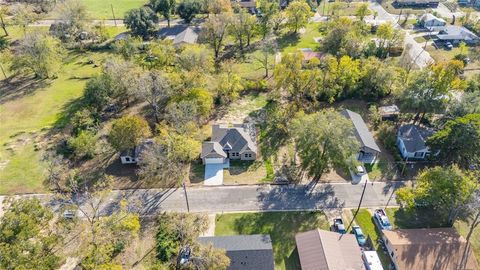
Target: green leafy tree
141,21
104,237
458,142
229,86
39,54
128,48
298,12
164,7
72,14
83,145
3,14
176,230
218,6
242,28
444,190
195,58
127,132
299,83
324,140
265,22
389,37
429,90
344,37
362,11
29,236
214,32
23,15
188,9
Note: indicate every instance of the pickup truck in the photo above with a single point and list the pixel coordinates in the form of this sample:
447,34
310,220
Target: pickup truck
338,226
381,219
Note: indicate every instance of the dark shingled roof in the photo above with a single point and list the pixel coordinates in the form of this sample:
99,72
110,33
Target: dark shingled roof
246,252
361,130
180,33
414,137
238,138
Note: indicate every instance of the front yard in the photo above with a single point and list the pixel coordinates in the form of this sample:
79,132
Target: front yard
281,226
365,220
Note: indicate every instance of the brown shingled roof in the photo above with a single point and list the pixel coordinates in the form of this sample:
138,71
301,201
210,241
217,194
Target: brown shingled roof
438,248
324,250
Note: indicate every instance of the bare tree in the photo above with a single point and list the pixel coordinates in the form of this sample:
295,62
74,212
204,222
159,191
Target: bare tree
155,89
266,57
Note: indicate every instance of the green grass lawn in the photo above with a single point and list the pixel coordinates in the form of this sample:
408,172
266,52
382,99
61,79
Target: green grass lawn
102,9
290,43
463,228
410,220
365,220
282,227
338,8
387,5
27,118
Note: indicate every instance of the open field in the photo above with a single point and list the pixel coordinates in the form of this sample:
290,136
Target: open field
103,9
282,227
29,115
290,43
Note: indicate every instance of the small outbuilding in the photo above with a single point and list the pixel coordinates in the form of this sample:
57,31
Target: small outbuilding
132,156
389,112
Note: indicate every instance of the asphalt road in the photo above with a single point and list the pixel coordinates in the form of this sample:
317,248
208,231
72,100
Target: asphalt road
148,202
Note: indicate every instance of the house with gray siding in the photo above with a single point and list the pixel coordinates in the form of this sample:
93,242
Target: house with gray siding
233,143
369,149
411,141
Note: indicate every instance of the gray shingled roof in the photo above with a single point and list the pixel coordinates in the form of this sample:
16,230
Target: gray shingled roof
361,130
180,33
237,137
453,32
212,150
246,252
414,137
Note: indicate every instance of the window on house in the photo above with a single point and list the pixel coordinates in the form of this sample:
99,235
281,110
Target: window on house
418,154
127,159
392,254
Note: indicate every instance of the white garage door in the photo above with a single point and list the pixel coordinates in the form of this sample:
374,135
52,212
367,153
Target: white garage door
213,174
213,160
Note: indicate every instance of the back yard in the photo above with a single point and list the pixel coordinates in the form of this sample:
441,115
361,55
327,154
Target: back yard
282,227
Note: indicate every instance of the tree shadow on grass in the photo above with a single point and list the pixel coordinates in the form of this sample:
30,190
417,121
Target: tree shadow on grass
19,87
288,40
282,228
418,218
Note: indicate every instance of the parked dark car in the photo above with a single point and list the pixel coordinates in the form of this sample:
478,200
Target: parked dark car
361,240
338,226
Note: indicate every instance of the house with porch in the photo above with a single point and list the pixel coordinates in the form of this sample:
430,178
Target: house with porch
132,156
411,141
237,142
369,149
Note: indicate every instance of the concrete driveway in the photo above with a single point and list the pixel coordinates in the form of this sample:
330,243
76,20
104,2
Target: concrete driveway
213,174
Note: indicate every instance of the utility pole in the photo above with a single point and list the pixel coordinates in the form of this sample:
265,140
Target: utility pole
359,205
186,196
113,14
